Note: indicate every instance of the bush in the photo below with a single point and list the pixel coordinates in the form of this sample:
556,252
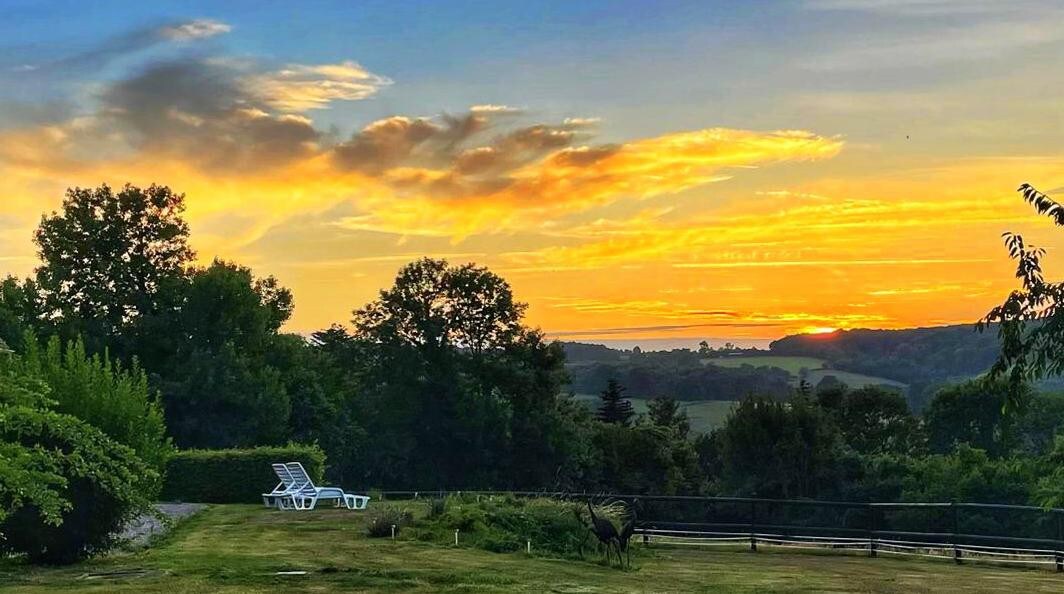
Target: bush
381,521
234,476
66,488
116,401
505,524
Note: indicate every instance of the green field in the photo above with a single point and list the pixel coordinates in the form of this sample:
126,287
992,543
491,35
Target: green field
241,549
789,364
705,415
816,369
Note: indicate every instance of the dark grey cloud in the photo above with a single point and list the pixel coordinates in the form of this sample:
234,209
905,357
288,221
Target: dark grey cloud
198,110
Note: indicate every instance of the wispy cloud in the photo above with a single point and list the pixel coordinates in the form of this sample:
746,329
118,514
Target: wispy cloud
195,29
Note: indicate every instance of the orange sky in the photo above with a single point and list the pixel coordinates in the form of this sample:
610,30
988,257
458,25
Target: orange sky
855,208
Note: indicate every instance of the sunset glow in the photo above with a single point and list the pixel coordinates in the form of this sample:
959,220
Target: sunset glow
634,173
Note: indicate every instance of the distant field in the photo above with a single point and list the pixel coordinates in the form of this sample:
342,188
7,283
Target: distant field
854,380
814,366
705,415
791,364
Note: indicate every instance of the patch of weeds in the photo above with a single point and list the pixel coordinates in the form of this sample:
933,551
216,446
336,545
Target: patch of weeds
381,521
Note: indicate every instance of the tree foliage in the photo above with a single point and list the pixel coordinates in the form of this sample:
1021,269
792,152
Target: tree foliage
1030,322
614,408
65,487
107,257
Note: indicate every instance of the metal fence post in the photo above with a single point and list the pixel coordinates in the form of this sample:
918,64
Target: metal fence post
956,549
753,526
1060,542
872,531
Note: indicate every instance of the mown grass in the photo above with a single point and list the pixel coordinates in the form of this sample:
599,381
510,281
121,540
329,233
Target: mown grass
236,549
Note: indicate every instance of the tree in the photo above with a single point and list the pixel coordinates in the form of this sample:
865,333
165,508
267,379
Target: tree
780,449
665,411
435,306
972,413
107,256
1030,322
467,395
19,309
872,420
615,408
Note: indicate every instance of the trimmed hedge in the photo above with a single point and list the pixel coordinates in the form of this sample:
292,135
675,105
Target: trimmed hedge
235,475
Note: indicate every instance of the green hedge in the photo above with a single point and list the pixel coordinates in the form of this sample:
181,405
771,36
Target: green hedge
234,476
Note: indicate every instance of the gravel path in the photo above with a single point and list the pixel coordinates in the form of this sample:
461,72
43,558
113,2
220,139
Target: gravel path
141,530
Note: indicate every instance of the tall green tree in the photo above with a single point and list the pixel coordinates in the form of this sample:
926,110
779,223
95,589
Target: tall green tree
614,408
972,413
107,256
210,358
872,420
665,411
780,449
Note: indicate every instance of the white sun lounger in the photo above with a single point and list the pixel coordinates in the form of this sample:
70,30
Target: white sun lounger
281,496
306,496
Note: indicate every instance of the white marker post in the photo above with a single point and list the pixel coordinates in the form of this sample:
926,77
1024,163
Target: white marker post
455,537
393,531
529,549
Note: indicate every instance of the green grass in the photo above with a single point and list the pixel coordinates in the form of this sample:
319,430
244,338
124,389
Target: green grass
791,365
705,415
240,549
854,380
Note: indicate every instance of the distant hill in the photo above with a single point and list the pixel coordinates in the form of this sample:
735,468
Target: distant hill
679,373
915,360
923,358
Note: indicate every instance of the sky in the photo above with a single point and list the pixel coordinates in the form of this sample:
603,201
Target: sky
638,171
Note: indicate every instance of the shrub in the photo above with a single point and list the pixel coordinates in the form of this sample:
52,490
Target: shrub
68,487
236,475
505,524
381,521
100,392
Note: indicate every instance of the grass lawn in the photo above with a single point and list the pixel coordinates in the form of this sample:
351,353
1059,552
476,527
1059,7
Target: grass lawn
240,548
705,415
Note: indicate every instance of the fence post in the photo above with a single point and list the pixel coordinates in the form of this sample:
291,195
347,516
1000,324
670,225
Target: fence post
753,526
956,549
872,531
1060,542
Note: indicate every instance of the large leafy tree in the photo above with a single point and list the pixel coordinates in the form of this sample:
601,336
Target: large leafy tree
467,395
210,356
1030,322
107,257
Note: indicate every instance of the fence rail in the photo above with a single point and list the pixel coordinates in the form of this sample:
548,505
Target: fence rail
996,533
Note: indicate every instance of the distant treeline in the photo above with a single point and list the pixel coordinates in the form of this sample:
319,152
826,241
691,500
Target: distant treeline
651,379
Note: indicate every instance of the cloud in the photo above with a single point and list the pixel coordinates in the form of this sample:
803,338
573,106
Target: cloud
924,8
89,61
447,178
201,113
196,29
299,87
980,36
